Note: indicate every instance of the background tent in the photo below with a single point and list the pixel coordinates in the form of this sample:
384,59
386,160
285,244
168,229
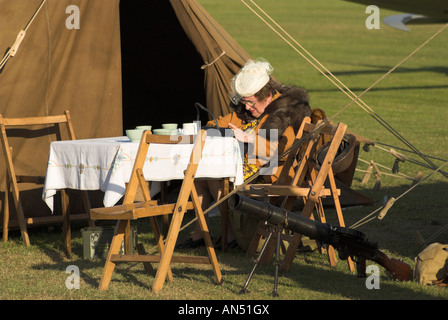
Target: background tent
58,68
130,63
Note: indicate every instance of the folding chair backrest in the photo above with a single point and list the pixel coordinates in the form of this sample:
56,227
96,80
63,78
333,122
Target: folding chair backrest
325,146
293,154
320,134
147,138
31,127
27,127
30,122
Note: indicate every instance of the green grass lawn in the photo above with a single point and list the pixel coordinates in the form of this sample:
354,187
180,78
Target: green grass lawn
412,100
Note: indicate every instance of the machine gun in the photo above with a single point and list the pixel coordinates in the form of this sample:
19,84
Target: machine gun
348,242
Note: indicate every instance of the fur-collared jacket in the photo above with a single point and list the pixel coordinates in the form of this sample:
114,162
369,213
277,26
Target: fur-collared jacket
289,109
285,114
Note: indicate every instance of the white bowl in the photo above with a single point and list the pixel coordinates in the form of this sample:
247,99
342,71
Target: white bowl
171,126
165,132
134,134
146,127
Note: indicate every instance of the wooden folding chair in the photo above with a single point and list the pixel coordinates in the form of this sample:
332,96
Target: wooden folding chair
40,126
258,190
149,208
308,185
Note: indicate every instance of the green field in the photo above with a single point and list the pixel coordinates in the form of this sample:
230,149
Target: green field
412,100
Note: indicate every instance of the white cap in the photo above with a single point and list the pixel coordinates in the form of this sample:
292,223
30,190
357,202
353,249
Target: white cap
253,76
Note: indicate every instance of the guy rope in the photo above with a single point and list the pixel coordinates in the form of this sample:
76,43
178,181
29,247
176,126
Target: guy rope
384,209
15,47
333,79
354,99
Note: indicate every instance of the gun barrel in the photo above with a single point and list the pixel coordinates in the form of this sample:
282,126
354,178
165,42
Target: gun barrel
349,242
277,216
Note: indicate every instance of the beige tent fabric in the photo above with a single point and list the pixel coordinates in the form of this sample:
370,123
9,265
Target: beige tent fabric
211,40
57,68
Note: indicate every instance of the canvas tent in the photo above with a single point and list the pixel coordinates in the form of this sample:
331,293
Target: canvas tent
129,63
55,69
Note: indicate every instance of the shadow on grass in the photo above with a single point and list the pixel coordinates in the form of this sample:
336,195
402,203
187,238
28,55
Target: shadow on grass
389,88
90,272
425,210
376,69
310,277
307,281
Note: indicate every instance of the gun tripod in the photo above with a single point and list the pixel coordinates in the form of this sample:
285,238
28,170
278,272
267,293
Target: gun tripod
272,229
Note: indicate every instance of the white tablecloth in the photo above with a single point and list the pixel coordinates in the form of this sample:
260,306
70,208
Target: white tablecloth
106,164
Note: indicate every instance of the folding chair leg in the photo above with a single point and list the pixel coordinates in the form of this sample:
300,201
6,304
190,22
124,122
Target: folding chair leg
164,200
206,234
295,241
339,212
171,239
20,214
159,239
253,246
160,244
22,224
14,189
290,253
224,209
167,253
330,250
114,248
87,207
146,265
268,254
6,211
